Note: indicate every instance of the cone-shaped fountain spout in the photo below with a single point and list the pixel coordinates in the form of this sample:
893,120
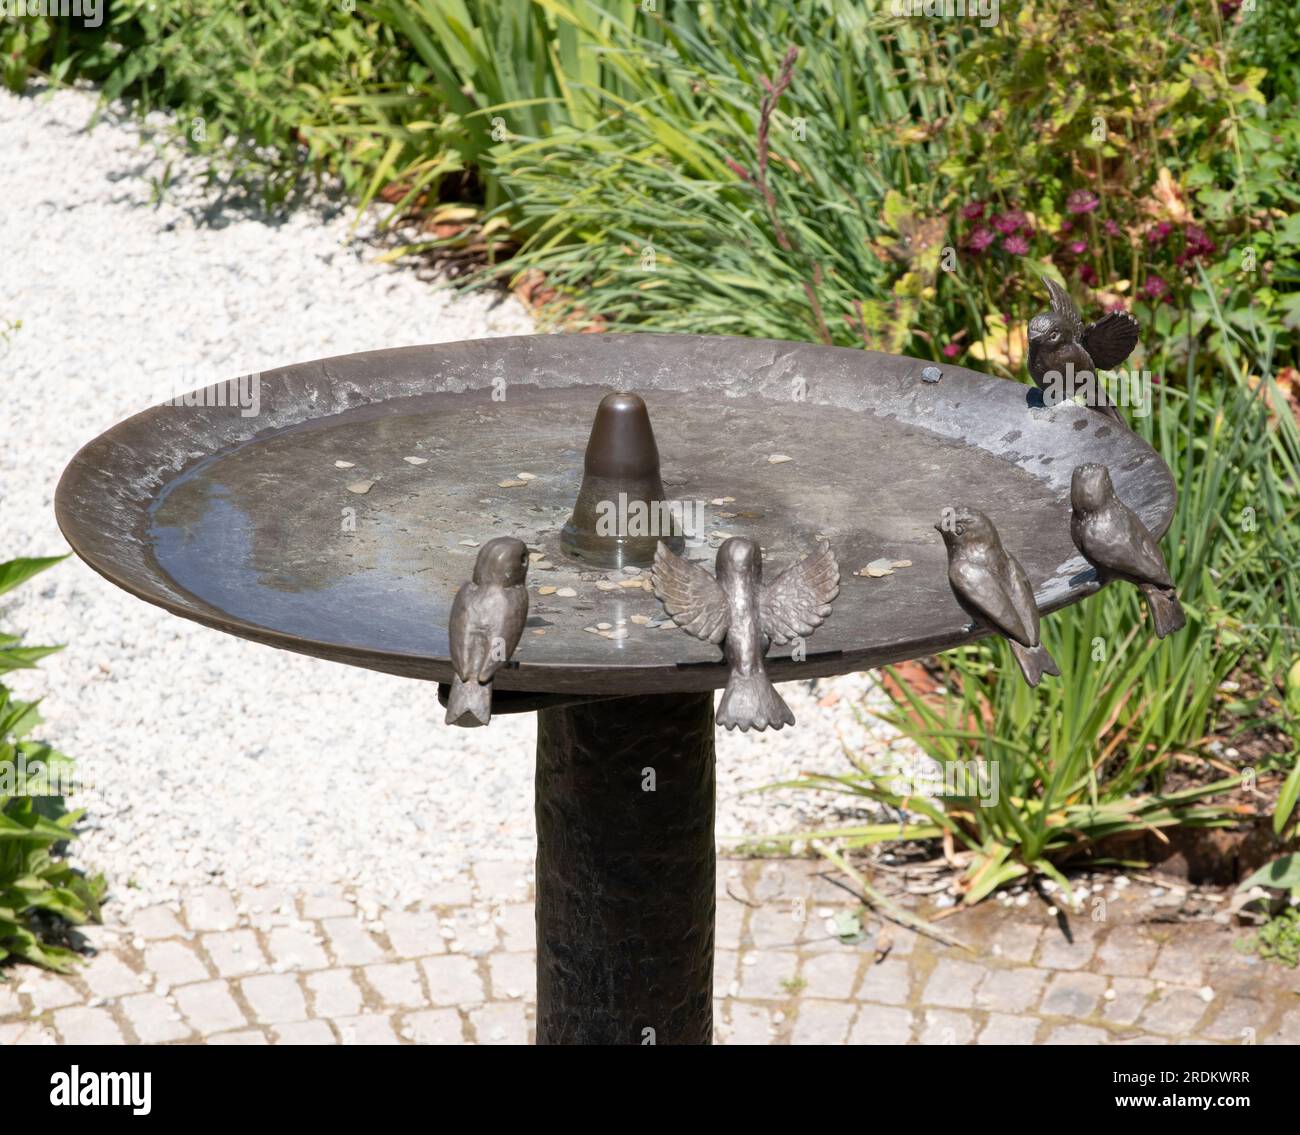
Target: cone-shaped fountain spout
621,513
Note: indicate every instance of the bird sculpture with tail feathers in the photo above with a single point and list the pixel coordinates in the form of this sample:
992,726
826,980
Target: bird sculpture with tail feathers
993,588
1060,345
1119,546
745,615
487,618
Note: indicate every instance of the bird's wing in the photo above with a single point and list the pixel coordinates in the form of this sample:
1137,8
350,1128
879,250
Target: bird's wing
1111,339
1131,550
798,600
690,595
990,597
464,658
1064,307
510,610
1021,593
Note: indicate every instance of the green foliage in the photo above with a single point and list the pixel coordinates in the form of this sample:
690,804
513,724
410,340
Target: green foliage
39,892
1279,938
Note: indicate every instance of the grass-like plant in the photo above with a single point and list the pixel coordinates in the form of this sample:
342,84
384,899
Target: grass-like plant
40,894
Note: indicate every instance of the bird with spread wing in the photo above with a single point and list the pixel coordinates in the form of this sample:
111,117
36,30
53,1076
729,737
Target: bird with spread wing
1061,346
743,615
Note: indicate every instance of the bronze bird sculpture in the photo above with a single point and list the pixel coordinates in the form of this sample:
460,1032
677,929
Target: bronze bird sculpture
487,618
1119,545
745,615
993,588
1060,345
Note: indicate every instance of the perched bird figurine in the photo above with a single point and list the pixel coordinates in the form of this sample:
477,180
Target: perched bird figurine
1120,546
745,615
1059,344
487,618
993,588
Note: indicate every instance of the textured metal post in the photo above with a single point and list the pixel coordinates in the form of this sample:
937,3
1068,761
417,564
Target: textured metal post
625,871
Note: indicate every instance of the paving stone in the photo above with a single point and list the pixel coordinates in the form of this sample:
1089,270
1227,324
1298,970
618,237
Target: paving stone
517,925
877,1025
174,963
10,1005
1010,990
1139,1041
397,983
502,882
1073,994
1288,1032
499,1023
334,993
1077,1034
888,982
1174,1011
156,922
350,942
82,1025
210,908
726,970
49,991
749,1024
109,976
1015,941
943,1026
154,1019
476,933
434,1026
244,1036
1131,995
822,1022
727,932
773,927
952,984
1055,951
448,893
234,953
209,1007
26,1033
414,934
1003,1029
368,1028
304,1032
513,977
831,975
453,981
1127,952
327,902
275,998
1184,961
770,974
296,948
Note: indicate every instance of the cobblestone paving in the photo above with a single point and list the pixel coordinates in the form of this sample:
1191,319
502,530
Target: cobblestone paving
264,967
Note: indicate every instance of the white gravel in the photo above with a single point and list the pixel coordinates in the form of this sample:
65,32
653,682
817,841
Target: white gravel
209,757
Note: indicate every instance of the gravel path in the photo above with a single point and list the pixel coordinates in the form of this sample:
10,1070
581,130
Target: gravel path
210,758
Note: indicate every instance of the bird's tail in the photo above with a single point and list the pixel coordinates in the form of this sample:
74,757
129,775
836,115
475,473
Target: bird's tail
469,703
1034,661
750,701
1166,611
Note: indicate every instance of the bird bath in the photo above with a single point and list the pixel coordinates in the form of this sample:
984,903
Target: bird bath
339,515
